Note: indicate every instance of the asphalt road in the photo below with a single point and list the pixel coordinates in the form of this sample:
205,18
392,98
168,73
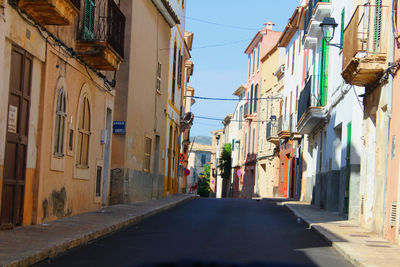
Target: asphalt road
207,232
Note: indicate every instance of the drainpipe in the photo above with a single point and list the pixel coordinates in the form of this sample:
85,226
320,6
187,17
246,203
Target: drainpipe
389,86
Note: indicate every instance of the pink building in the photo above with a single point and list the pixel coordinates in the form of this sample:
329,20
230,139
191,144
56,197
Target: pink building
262,42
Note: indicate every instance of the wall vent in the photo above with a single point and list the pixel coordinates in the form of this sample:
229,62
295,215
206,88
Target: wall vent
393,214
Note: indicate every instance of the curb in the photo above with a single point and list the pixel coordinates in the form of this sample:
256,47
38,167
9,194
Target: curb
90,236
320,230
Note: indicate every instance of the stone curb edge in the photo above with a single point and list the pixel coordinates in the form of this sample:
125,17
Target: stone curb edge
67,245
322,232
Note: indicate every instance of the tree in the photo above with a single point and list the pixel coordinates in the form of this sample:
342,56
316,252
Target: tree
204,182
225,162
225,166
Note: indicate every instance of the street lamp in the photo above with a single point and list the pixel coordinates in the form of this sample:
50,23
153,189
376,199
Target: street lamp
328,26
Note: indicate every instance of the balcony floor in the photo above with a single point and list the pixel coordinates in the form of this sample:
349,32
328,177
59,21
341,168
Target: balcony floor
313,117
364,71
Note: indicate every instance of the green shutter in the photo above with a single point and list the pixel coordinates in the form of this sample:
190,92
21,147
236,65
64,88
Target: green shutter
258,57
255,98
323,72
377,26
233,144
88,20
342,29
348,170
254,59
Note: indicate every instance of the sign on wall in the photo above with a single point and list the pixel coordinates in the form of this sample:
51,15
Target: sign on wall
119,127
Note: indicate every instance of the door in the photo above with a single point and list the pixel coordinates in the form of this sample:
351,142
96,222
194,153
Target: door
156,167
106,171
292,183
16,139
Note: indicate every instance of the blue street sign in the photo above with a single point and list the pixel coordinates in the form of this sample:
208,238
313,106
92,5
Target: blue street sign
119,127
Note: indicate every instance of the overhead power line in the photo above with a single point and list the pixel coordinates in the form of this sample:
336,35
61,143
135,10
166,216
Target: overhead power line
219,119
233,99
220,24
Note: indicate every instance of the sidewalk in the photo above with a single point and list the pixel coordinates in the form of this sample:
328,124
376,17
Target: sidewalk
356,244
24,246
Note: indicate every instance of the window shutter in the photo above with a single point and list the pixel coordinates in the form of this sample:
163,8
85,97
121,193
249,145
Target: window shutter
377,26
88,20
255,98
342,29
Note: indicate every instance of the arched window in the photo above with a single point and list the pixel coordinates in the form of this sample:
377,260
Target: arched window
59,129
82,157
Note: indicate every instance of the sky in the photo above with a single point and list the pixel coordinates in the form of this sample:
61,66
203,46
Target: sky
222,31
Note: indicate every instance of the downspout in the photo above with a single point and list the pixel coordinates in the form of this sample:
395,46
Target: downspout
389,115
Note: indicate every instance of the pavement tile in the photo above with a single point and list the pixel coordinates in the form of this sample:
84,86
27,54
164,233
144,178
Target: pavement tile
27,245
356,244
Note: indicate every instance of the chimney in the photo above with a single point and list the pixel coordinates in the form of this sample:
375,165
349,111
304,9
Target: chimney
269,25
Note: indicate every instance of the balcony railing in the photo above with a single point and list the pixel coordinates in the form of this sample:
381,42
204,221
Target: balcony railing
293,123
309,12
364,48
246,109
108,26
76,3
282,124
272,129
304,99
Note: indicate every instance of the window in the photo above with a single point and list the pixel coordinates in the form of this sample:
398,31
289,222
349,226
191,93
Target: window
293,53
254,139
233,144
249,142
82,158
254,59
174,75
180,58
203,159
245,143
158,81
251,100
258,57
59,129
147,154
249,66
88,20
255,98
240,117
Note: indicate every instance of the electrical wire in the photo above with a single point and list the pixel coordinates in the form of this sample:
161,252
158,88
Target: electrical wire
233,99
219,24
219,119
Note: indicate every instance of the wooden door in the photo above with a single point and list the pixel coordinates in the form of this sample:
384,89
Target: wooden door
16,139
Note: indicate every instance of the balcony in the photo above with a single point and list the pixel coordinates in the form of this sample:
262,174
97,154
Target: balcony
283,128
272,132
248,115
309,113
365,49
51,12
317,10
101,35
294,134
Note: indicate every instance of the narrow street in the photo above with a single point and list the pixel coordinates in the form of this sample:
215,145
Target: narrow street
221,231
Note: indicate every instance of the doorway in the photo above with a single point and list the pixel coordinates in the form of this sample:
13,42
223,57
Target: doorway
16,139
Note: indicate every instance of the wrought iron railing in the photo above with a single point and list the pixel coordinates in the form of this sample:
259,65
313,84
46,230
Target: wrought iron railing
246,109
293,122
282,124
272,129
304,99
309,12
76,3
103,23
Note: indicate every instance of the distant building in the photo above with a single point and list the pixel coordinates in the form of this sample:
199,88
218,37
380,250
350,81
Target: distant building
199,155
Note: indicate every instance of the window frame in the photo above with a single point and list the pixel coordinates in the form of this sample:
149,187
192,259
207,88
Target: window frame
60,127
